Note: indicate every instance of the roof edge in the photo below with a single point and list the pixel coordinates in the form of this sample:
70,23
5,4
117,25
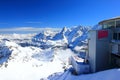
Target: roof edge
114,18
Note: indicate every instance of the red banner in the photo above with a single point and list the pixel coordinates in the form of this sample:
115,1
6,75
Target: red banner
102,34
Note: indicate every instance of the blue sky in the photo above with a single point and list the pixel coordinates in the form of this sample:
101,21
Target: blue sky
55,13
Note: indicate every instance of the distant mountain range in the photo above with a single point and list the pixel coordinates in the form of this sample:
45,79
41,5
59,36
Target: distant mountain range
72,37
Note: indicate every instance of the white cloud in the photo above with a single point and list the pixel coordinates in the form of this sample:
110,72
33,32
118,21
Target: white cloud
31,22
30,29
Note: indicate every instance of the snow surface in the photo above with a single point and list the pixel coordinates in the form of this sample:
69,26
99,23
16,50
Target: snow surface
112,74
32,63
45,56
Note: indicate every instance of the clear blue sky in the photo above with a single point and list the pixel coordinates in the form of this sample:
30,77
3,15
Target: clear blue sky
56,13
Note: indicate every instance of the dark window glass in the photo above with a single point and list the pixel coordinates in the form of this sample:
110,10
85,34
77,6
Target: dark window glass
118,24
119,36
115,36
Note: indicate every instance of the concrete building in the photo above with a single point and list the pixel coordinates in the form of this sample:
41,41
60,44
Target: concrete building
103,49
104,45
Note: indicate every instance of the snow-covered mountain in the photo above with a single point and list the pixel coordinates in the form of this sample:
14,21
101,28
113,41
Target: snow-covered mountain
62,34
17,61
67,38
71,37
45,56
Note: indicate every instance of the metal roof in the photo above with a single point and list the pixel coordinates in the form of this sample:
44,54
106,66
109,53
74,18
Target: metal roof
115,18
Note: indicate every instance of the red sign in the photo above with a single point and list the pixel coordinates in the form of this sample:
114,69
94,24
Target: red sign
102,34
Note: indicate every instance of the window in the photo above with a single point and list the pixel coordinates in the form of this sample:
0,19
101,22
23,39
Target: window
107,25
111,24
115,36
118,24
118,36
104,26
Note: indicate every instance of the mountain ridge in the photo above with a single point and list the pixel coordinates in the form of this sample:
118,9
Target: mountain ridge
71,36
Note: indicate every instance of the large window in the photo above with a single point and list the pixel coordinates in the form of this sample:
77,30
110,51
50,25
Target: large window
118,36
118,23
110,24
104,26
115,36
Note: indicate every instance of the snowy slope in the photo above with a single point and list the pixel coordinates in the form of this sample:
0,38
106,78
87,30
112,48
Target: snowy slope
112,74
72,34
70,37
77,36
31,63
61,35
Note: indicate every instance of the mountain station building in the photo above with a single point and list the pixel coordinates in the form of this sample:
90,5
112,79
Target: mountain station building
103,48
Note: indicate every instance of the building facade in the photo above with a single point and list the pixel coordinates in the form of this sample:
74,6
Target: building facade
104,45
